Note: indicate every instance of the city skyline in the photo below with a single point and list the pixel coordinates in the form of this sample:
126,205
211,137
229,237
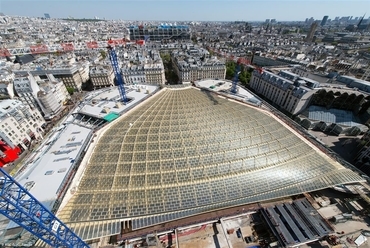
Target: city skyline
180,10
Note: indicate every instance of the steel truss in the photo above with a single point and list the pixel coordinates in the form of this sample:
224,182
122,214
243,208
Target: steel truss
117,72
18,205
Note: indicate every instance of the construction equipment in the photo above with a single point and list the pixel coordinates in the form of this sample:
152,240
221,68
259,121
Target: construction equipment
18,205
117,72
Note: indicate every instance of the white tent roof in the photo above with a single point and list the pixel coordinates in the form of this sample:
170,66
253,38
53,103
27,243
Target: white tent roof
360,240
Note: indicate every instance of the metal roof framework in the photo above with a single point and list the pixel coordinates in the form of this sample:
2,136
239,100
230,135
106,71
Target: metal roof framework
296,223
185,152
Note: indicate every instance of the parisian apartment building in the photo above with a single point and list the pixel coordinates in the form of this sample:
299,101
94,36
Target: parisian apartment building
46,95
6,84
142,66
71,72
193,63
19,123
101,76
286,89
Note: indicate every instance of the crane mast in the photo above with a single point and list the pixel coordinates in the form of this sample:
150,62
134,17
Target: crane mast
234,88
18,205
114,61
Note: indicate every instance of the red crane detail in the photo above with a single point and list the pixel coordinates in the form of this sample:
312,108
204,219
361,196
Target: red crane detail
39,49
9,154
67,47
4,52
92,44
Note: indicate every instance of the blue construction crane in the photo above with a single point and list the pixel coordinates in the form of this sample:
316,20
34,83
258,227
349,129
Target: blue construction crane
117,72
146,38
18,205
234,89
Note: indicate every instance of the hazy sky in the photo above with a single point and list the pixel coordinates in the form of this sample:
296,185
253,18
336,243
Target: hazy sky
202,10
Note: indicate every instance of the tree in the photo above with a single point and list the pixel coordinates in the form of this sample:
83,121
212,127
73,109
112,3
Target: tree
230,73
230,69
244,75
170,74
166,57
103,54
70,90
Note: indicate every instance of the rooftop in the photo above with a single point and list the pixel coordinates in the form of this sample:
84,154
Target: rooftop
224,86
45,172
53,161
161,26
184,152
341,117
102,102
8,105
286,221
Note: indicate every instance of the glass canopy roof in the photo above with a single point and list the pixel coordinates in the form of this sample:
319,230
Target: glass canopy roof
185,152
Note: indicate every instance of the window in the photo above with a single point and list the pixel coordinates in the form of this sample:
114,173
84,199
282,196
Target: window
50,172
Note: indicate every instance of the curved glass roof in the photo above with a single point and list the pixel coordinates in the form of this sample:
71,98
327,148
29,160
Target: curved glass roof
184,152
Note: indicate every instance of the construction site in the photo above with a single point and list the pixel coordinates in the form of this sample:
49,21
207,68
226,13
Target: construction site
180,166
185,152
194,161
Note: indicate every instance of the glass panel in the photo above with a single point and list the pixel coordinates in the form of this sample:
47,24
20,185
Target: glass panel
189,152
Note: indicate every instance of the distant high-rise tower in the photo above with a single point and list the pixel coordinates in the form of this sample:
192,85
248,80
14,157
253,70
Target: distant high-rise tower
311,32
47,16
324,20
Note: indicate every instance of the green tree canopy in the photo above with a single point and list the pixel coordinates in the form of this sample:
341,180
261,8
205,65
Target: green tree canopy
103,54
244,75
170,74
70,90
